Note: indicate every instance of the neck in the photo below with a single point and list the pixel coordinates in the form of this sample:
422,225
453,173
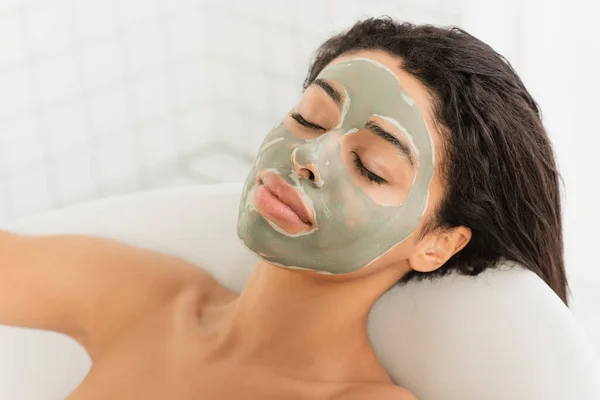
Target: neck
313,323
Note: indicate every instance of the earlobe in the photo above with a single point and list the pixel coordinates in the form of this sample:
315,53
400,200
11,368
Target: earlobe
437,248
427,256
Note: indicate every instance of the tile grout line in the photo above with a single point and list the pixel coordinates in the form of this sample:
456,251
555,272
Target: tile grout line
84,98
172,96
51,183
130,98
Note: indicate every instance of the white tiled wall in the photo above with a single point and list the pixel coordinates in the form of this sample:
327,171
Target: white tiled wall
103,97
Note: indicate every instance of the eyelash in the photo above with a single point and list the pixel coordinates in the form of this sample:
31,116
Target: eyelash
299,119
365,172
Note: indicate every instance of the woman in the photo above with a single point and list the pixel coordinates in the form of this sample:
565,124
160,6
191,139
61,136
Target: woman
414,151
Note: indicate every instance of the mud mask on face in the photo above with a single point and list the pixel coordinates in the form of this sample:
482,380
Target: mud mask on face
351,229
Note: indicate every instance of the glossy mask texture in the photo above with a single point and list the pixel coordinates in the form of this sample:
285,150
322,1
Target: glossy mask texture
352,229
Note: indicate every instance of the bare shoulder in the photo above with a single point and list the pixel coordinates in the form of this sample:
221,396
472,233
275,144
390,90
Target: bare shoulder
375,392
89,288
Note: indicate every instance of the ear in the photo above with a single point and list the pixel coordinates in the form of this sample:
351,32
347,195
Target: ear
437,247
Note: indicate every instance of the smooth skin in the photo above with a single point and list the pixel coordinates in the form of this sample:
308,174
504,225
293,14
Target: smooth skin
157,327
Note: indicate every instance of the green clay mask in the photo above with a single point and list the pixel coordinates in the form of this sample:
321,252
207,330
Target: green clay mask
351,228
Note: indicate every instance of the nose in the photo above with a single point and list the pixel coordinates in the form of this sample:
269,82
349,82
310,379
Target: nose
305,165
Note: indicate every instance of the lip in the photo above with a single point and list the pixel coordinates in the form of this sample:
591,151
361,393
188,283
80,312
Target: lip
282,203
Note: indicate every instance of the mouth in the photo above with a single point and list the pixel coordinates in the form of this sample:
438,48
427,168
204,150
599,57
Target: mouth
281,203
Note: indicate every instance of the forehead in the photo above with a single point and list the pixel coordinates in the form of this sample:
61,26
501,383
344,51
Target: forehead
415,89
393,63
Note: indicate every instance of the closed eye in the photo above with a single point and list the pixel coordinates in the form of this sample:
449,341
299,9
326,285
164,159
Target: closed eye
364,171
299,119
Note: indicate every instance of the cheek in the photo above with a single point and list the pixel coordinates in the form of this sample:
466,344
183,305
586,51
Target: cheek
357,215
402,251
348,205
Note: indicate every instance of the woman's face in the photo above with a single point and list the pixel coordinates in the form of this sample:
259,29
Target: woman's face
354,160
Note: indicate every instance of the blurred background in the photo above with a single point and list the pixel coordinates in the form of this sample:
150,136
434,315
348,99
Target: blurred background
103,97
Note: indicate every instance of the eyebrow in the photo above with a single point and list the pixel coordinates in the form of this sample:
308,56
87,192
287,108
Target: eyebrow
388,137
335,95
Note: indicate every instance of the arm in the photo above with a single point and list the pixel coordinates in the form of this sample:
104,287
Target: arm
85,287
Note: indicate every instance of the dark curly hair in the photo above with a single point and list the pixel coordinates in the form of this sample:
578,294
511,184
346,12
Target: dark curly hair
498,166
